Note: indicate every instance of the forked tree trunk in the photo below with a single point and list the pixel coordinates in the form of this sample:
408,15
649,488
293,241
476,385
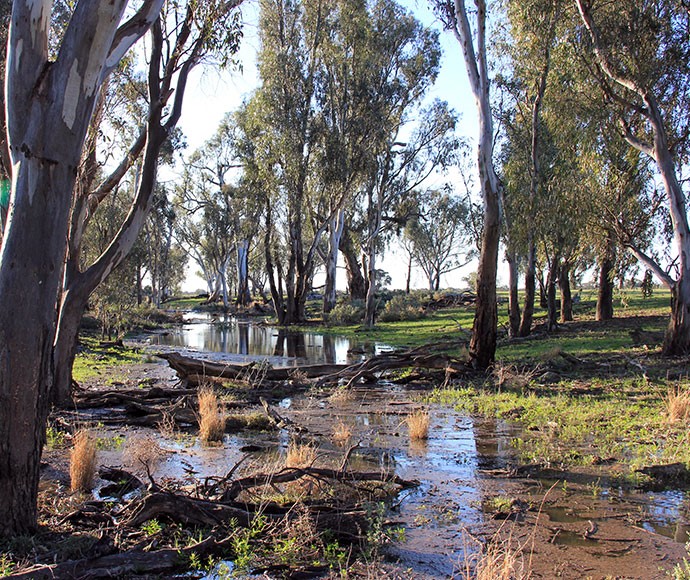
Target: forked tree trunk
356,283
49,106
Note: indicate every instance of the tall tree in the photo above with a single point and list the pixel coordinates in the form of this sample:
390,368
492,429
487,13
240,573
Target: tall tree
472,40
640,51
49,107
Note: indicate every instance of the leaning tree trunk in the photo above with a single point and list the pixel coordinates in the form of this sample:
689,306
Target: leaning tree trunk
605,292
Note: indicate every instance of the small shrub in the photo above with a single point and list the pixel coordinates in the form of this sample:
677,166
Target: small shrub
82,465
211,417
418,425
346,313
402,307
300,455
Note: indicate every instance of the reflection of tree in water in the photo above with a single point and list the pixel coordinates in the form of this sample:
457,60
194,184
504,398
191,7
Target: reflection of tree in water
242,339
292,344
328,349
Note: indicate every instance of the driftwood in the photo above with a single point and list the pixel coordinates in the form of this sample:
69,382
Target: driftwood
197,371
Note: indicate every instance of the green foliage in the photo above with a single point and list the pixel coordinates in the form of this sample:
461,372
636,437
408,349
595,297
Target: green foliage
346,312
402,307
151,527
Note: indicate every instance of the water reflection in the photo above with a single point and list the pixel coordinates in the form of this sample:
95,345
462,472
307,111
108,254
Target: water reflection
239,337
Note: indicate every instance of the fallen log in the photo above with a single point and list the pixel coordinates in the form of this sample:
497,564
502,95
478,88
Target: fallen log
121,565
197,370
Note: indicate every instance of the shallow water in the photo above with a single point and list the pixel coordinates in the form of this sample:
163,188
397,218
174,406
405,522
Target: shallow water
246,340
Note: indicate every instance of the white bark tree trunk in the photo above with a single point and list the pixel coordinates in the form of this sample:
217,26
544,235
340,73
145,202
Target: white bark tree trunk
335,228
49,107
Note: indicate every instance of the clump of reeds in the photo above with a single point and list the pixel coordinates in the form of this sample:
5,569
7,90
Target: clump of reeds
342,433
300,455
211,416
418,425
82,464
678,405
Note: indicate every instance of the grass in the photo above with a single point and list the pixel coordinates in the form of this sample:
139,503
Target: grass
678,405
418,425
300,454
82,463
212,417
95,361
342,433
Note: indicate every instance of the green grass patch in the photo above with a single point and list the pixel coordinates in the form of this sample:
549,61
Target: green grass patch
94,360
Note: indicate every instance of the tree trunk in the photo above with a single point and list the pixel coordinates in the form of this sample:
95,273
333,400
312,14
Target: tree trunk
335,234
677,338
551,306
484,330
530,289
566,294
513,300
370,304
605,293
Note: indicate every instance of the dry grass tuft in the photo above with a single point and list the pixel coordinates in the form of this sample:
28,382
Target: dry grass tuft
211,416
342,395
82,464
142,453
678,405
418,425
510,376
342,433
300,455
500,562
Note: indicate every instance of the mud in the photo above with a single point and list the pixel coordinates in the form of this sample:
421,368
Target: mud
574,524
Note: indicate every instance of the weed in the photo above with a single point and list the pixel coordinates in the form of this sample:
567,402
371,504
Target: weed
211,417
111,443
499,561
418,425
167,426
255,373
82,466
7,566
300,455
151,527
342,395
681,571
55,438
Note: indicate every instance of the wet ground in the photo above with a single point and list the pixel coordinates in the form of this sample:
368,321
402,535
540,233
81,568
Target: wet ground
574,524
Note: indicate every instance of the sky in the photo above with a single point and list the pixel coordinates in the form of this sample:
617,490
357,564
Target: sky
212,93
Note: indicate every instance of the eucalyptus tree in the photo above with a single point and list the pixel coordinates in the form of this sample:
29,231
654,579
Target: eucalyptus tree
437,235
50,104
49,107
469,28
401,168
281,128
640,51
220,220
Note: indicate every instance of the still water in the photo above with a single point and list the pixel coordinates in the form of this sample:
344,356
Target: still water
245,340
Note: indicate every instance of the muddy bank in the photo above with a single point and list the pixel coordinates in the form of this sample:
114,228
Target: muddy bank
574,524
